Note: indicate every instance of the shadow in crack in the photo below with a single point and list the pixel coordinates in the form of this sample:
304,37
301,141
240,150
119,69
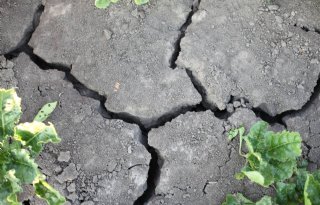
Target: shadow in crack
183,28
21,46
155,165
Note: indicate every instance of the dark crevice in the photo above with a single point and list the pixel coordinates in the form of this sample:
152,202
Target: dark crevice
28,34
26,202
279,118
308,149
204,104
154,172
43,64
182,30
199,87
306,29
156,161
268,118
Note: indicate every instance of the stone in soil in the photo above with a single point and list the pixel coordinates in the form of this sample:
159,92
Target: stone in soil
16,20
123,56
99,146
233,49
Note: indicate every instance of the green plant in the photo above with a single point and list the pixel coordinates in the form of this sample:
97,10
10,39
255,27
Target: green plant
272,159
19,145
102,4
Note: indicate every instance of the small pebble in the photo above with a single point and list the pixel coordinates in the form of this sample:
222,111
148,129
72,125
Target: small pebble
69,174
57,169
230,108
236,104
9,65
72,197
273,7
107,34
71,188
64,156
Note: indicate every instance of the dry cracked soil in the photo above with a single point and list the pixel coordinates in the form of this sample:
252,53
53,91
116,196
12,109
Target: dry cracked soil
147,93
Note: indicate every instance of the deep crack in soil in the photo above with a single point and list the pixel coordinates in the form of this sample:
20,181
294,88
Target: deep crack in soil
27,35
156,161
183,28
279,118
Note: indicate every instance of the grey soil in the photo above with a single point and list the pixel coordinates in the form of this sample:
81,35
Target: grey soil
147,93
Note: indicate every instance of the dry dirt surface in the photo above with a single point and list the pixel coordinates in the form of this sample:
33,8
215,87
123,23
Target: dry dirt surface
147,93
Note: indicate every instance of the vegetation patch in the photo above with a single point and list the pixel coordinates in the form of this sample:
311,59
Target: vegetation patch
273,159
20,144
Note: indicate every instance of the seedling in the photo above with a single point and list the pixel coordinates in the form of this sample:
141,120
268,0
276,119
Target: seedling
272,159
19,146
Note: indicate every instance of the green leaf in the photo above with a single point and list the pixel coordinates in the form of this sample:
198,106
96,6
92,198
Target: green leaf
45,111
102,4
300,179
256,177
45,191
258,170
239,199
312,191
271,157
283,146
282,170
140,2
35,135
25,167
10,111
287,194
9,187
266,200
234,132
239,176
254,139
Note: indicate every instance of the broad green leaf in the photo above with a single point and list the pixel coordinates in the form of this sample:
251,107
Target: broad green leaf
239,199
282,170
9,187
45,112
140,2
254,139
102,4
25,167
283,146
266,200
45,191
286,193
271,156
35,134
10,111
258,170
300,179
256,177
312,191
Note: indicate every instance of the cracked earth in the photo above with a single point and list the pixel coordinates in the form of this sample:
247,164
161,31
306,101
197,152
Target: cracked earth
147,93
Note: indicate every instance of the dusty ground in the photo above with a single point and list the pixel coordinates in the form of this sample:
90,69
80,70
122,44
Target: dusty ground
146,94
